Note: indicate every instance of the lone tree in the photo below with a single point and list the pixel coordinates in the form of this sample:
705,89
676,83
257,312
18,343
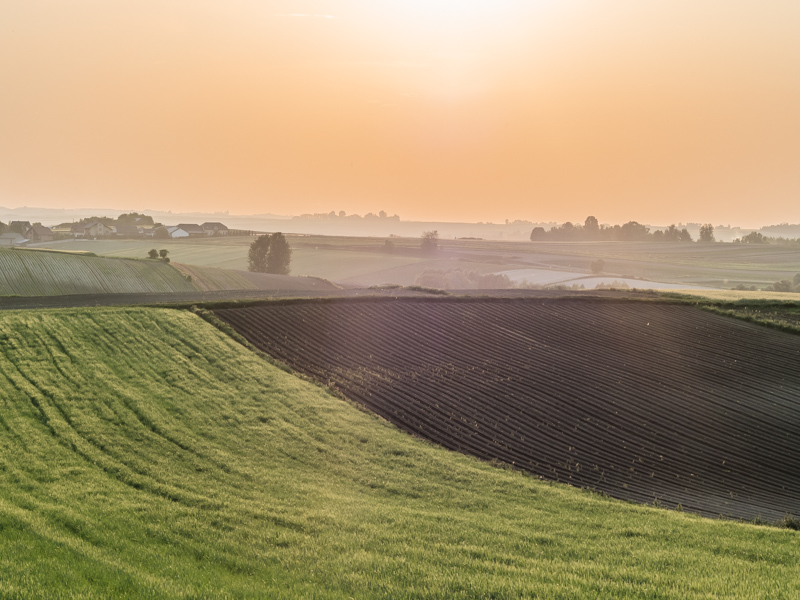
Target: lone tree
279,255
270,254
163,253
257,255
430,242
706,233
153,254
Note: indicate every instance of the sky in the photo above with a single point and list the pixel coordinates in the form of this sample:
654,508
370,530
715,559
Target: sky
455,110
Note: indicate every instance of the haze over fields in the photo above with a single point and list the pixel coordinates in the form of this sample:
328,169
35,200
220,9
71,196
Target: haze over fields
479,110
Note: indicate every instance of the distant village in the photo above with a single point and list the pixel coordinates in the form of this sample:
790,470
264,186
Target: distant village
128,226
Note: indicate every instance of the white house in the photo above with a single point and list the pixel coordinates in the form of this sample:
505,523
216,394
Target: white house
177,232
9,240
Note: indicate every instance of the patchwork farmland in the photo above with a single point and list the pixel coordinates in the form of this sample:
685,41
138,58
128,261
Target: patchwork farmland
53,273
650,402
188,467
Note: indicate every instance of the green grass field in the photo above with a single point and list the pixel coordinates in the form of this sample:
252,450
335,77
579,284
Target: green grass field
37,273
143,453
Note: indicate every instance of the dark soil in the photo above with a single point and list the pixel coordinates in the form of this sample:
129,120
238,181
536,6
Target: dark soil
655,403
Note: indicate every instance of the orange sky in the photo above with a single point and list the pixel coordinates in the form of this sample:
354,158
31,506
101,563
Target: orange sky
458,110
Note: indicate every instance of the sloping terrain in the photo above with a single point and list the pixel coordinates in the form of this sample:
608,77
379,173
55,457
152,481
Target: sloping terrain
213,279
648,402
39,273
144,454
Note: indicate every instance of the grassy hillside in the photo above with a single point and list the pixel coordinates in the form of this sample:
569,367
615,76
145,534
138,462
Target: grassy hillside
37,273
145,454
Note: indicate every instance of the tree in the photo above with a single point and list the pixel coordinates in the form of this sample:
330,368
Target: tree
257,255
685,236
430,242
161,234
633,232
754,237
538,233
598,265
591,227
153,254
706,233
279,255
163,253
672,234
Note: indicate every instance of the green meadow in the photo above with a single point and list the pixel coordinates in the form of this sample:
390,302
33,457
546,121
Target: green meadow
145,454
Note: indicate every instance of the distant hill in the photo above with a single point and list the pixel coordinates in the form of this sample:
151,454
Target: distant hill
47,273
43,272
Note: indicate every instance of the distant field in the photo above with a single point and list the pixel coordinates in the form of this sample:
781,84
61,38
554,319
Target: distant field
32,273
362,261
213,279
643,401
734,295
187,467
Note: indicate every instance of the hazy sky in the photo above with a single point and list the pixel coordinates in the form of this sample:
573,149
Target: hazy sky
481,110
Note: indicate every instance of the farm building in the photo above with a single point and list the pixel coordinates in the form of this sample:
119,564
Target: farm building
192,229
39,233
213,228
177,232
11,240
96,229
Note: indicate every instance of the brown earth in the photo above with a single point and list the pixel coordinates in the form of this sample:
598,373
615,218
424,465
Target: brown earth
648,402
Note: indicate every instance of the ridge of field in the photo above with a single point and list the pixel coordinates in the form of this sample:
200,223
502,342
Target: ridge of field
649,402
31,273
186,466
366,261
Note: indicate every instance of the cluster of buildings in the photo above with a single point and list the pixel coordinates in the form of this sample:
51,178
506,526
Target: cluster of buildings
98,230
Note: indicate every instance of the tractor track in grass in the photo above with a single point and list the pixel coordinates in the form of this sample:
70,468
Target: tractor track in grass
643,401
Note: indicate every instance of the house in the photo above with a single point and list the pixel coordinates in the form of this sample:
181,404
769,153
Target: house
96,229
64,230
214,228
192,229
19,226
39,233
9,240
77,230
127,230
177,232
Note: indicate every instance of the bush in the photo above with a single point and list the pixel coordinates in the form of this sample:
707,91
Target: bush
430,242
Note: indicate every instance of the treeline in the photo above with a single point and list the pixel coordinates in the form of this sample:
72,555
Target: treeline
133,218
756,237
631,231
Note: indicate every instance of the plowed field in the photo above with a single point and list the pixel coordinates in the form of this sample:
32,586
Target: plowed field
646,402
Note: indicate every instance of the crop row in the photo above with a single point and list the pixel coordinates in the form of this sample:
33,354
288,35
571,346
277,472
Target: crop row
29,273
641,401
